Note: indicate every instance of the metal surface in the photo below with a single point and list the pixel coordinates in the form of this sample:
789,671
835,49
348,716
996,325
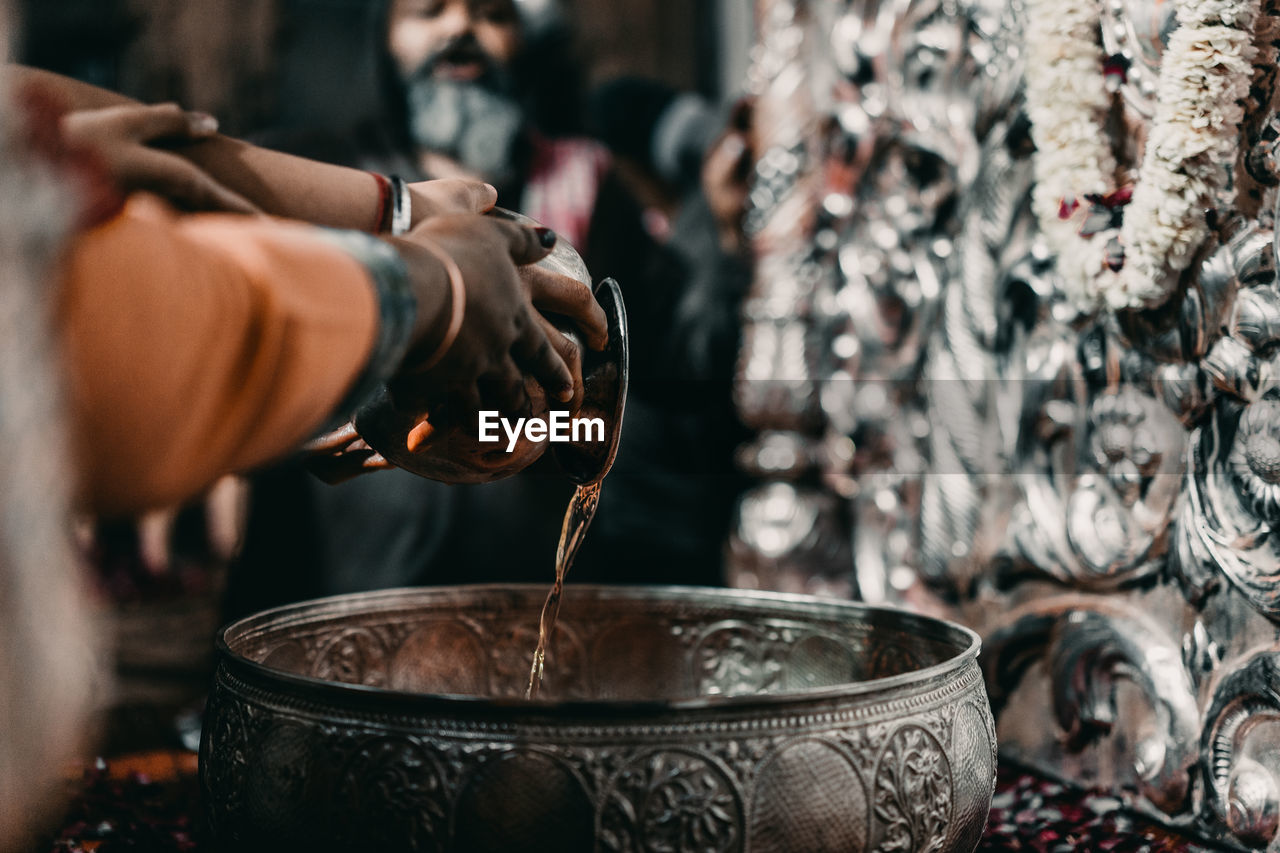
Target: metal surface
673,719
1097,493
454,454
605,377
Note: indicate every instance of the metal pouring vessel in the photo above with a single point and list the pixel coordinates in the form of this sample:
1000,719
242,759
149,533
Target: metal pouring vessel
454,454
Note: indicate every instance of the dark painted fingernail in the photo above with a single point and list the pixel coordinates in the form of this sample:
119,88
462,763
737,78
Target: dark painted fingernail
546,237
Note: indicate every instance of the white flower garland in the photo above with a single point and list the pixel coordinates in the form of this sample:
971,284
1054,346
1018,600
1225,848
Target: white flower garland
1067,103
1204,74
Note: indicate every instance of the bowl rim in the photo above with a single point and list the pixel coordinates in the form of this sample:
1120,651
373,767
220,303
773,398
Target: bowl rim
384,699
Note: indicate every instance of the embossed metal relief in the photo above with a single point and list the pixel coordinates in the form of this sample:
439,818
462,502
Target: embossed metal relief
1096,489
693,761
1088,646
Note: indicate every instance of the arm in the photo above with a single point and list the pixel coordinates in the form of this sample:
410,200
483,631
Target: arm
200,345
196,346
280,184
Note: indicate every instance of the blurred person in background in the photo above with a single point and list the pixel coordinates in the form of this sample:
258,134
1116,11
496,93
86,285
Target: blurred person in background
670,498
47,659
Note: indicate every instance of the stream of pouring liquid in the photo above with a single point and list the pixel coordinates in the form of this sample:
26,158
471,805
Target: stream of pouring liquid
582,508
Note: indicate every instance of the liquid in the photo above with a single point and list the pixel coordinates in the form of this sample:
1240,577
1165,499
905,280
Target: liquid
582,508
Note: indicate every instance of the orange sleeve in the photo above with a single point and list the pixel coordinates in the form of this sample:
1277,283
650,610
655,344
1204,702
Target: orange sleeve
197,346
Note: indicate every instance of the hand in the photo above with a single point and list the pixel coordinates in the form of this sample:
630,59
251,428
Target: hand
725,174
125,137
342,454
450,195
552,293
502,337
225,510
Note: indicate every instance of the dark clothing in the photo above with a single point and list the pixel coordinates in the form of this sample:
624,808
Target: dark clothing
664,509
666,506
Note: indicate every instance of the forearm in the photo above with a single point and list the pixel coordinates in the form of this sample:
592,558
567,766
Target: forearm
279,184
196,346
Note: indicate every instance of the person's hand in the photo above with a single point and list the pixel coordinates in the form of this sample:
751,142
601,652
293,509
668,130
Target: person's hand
502,337
725,176
570,299
342,454
125,139
226,511
450,195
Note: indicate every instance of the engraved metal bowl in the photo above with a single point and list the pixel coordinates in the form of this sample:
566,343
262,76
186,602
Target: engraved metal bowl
672,719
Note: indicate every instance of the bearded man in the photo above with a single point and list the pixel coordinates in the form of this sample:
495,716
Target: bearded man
464,86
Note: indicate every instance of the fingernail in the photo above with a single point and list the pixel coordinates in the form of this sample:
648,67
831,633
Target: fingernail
418,435
202,123
546,237
491,188
565,394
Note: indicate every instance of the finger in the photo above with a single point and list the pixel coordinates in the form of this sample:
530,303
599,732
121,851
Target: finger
419,435
226,513
534,353
560,294
451,195
342,467
84,532
572,355
332,441
527,245
375,462
722,163
184,183
130,121
155,531
166,121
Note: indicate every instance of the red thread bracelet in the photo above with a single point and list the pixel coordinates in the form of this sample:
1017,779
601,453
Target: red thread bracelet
458,305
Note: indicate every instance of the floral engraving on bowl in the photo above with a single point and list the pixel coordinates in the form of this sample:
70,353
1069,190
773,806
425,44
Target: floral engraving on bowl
671,802
734,659
511,654
282,776
353,657
395,795
889,659
912,793
223,737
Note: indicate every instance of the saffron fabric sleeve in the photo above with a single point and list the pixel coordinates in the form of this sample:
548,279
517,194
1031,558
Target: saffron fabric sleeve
196,346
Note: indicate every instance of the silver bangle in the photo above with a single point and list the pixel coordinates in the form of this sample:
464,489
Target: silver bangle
401,207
